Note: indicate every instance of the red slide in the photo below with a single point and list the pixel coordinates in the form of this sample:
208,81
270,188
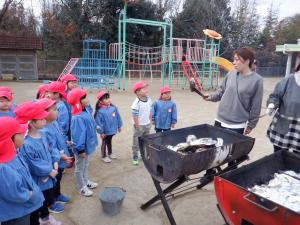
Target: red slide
192,77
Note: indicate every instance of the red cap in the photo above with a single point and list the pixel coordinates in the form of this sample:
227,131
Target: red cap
6,94
138,85
6,89
8,127
73,99
29,111
58,87
45,103
101,93
164,90
68,77
42,90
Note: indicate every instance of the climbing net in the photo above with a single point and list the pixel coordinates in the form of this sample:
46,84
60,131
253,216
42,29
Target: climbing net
141,55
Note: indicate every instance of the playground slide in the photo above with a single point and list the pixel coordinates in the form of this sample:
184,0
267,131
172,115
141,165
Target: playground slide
192,77
223,63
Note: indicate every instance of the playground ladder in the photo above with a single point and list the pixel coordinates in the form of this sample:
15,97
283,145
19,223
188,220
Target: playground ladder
69,67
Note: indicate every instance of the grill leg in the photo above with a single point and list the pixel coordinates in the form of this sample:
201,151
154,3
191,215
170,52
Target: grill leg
166,191
164,202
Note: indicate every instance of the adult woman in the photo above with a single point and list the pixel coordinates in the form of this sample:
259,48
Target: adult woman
284,129
240,96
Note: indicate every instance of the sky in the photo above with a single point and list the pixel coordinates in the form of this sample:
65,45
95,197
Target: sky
286,7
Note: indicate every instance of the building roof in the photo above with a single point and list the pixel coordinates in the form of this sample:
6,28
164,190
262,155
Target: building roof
20,42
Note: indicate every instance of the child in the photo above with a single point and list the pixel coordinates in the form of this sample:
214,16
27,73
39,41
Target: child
141,108
84,138
56,92
41,160
108,122
19,194
70,81
42,91
56,141
164,113
6,108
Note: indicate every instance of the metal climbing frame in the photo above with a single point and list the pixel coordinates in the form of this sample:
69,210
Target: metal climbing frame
165,50
95,69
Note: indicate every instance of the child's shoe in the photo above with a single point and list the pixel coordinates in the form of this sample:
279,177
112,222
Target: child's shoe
135,160
112,156
91,184
56,208
106,159
63,199
50,221
85,191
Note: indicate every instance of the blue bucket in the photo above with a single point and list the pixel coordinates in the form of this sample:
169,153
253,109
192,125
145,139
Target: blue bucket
111,199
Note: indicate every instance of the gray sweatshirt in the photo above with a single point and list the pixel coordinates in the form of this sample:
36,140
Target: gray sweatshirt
286,97
240,99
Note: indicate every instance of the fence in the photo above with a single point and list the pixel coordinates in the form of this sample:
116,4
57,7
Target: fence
50,69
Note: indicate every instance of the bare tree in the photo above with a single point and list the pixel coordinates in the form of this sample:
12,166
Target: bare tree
4,9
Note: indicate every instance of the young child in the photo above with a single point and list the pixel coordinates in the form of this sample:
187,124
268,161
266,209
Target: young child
56,141
70,81
164,112
141,109
84,138
42,91
108,122
19,194
6,108
41,160
56,92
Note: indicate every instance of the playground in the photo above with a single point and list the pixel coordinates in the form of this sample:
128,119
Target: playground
194,207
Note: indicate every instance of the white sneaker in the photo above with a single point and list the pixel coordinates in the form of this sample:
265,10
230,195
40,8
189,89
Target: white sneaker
50,221
106,159
85,191
91,184
112,156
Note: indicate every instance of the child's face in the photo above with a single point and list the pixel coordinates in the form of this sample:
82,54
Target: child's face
52,95
38,124
52,114
4,104
166,96
85,102
143,92
18,140
105,101
72,84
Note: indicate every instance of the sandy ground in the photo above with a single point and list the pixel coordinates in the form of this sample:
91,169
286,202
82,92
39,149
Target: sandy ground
193,208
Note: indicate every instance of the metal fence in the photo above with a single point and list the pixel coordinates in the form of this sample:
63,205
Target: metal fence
271,71
50,69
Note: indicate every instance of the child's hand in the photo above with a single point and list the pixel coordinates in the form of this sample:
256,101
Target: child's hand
102,136
82,155
173,125
55,166
120,130
53,173
67,159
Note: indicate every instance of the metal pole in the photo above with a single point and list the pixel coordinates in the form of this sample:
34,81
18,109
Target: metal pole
119,69
170,52
124,47
163,57
289,64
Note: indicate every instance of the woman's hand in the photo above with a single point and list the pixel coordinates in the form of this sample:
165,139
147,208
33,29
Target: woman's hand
247,131
206,97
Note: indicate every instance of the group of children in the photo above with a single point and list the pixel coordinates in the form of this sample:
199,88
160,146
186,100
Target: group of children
40,138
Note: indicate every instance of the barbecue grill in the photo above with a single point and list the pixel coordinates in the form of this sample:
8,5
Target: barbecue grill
238,205
174,168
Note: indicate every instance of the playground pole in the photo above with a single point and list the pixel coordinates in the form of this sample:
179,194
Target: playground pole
119,69
170,52
124,47
163,57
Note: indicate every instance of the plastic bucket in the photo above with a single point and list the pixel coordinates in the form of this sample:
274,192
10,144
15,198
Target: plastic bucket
111,199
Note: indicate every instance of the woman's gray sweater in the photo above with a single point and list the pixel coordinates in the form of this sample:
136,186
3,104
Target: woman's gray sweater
240,99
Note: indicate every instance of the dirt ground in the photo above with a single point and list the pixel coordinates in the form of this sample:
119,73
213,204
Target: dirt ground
193,208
